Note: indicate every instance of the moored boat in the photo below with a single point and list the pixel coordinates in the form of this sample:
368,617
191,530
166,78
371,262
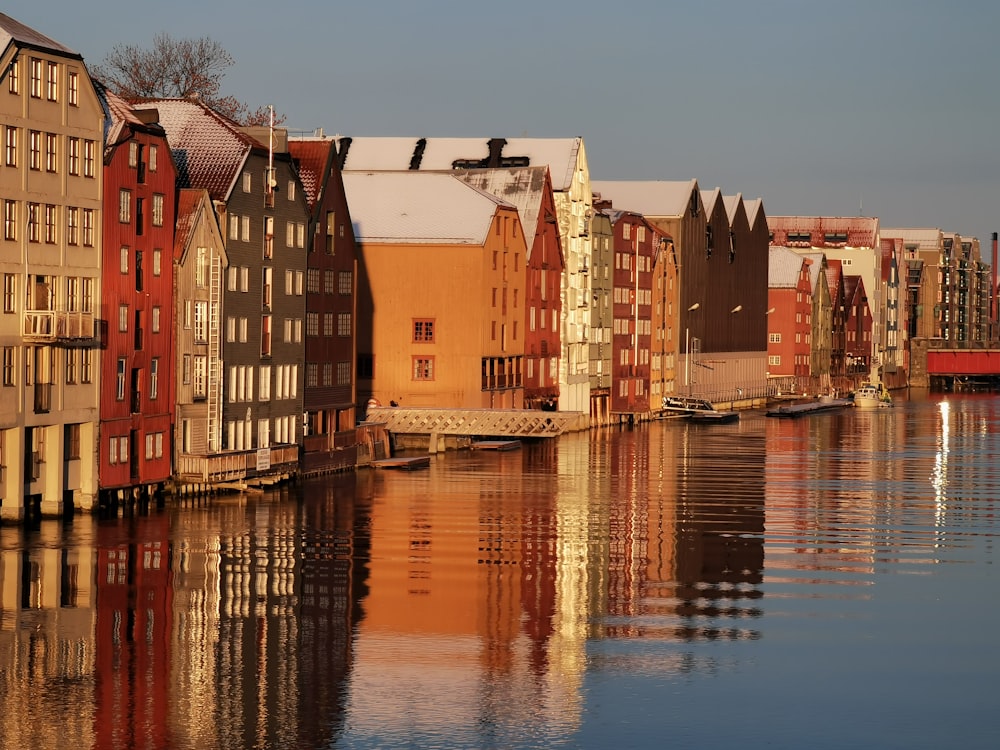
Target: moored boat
872,396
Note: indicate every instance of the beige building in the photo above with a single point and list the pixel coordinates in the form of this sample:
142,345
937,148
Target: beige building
50,260
440,292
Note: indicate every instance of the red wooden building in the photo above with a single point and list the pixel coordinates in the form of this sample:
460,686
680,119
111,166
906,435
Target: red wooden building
789,321
636,244
136,396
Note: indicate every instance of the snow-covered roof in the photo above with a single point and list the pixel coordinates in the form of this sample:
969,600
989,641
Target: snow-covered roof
651,198
783,268
419,208
364,153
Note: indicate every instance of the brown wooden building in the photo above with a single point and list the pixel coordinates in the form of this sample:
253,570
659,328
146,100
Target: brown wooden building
441,294
331,315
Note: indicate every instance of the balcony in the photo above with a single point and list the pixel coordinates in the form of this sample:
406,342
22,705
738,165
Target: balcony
50,326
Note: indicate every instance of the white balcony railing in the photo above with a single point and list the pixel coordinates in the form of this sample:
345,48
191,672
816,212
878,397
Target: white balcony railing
56,325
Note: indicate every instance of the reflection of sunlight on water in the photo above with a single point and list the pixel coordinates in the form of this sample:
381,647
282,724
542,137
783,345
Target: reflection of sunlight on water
939,477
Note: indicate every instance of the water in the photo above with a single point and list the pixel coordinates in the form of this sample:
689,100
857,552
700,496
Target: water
828,581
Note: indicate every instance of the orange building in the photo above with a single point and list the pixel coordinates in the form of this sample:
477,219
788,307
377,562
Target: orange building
441,292
789,335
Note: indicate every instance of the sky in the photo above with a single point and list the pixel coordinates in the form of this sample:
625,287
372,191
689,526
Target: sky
884,108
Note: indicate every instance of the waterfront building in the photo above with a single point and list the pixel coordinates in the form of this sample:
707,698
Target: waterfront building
137,288
821,331
530,190
789,329
602,316
636,245
50,260
838,322
200,266
855,242
441,284
858,325
721,291
566,159
263,215
330,396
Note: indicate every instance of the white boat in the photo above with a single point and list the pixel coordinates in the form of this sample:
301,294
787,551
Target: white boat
872,396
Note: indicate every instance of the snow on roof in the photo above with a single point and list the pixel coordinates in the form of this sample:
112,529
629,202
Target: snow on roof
524,187
560,155
783,267
929,237
419,208
651,198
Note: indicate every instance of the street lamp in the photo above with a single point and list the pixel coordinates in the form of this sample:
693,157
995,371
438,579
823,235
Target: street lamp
687,350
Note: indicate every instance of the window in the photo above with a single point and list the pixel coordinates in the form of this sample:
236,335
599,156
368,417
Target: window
247,182
86,365
113,451
10,293
291,190
157,210
234,227
327,324
156,261
423,331
73,88
201,267
155,323
13,78
124,206
268,236
312,280
133,154
345,282
200,376
89,154
8,366
71,355
265,283
50,224
201,321
264,394
265,335
33,222
36,78
151,159
123,260
312,324
328,282
10,220
243,330
34,150
300,235
327,374
231,329
10,146
289,234
88,227
231,279
72,225
154,374
774,359
312,374
186,369
244,278
343,373
52,82
245,228
123,318
51,155
120,383
423,368
774,338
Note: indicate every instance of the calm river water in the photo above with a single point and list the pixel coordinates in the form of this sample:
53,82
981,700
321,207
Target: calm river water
825,582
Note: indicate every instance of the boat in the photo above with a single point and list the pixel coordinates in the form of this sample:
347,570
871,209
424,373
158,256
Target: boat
872,396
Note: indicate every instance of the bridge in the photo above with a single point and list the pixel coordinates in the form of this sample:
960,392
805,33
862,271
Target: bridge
475,422
954,364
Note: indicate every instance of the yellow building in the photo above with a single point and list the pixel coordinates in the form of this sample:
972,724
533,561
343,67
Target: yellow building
50,260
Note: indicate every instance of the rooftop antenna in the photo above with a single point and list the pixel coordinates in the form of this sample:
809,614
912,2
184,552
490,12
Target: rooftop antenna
861,206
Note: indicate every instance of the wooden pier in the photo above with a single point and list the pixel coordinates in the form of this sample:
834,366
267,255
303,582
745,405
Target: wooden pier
812,407
406,463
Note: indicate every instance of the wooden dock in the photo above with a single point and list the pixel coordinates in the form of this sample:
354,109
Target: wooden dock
407,463
495,445
811,407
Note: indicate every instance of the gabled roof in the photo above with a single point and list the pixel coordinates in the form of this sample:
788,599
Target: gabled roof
892,248
732,203
783,268
15,32
560,155
854,286
753,208
121,118
192,204
709,198
652,198
925,237
430,208
313,158
524,187
834,275
815,268
209,149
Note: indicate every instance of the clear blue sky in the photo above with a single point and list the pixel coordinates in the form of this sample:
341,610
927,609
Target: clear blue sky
890,107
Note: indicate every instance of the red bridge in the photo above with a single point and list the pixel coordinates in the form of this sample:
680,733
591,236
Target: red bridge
954,365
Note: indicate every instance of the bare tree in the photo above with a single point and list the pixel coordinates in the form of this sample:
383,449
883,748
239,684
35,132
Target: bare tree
176,68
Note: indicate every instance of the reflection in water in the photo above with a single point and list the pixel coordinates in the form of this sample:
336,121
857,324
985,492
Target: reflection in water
510,599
